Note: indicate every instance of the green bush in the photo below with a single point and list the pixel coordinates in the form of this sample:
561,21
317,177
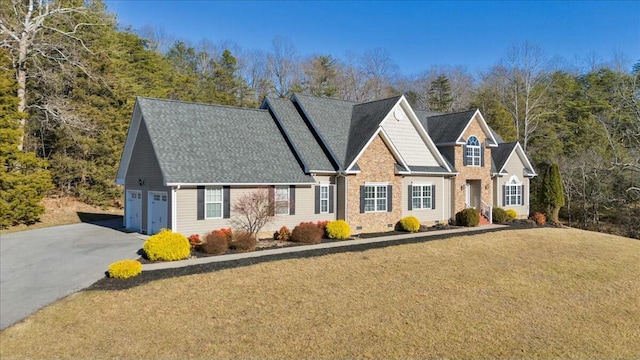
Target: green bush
216,243
125,269
511,214
243,241
410,224
307,233
338,229
167,246
468,217
499,215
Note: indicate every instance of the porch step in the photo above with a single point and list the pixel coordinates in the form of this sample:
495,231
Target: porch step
483,221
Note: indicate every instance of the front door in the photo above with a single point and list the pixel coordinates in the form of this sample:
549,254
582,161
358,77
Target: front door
157,211
133,211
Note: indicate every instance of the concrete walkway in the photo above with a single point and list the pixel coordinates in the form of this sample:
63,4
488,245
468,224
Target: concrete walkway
294,249
38,267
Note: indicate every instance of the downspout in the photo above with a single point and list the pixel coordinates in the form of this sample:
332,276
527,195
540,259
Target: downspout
174,208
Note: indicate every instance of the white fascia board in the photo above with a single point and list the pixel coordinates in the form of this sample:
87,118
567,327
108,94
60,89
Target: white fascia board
236,184
387,141
433,173
483,125
127,152
523,158
423,134
322,172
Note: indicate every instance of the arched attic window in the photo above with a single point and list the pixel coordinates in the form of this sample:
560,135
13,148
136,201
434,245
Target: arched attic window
473,152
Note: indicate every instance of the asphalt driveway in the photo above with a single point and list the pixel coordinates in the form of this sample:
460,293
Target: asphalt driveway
38,267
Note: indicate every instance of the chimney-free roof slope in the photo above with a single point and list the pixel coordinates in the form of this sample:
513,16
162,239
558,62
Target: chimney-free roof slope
213,144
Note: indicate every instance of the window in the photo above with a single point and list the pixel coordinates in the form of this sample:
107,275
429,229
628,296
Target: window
421,197
513,192
473,152
213,202
282,200
324,198
375,198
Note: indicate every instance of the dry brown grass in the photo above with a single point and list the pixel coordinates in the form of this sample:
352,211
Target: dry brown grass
64,211
539,293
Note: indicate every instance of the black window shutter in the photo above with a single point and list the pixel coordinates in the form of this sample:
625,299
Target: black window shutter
331,191
317,199
389,198
361,199
522,197
433,196
410,206
200,203
226,202
292,199
272,199
482,155
464,155
504,195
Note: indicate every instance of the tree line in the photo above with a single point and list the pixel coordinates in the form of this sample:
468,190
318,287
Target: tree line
70,75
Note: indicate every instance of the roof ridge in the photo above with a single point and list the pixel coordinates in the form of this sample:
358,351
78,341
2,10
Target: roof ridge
453,113
324,97
373,101
202,103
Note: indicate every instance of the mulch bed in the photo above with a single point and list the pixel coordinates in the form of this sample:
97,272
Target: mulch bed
147,276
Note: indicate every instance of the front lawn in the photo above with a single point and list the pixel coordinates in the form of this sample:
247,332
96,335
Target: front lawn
536,293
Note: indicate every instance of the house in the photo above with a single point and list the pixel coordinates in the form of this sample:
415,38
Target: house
184,164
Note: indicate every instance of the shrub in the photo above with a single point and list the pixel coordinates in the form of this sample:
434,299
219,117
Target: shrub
410,224
167,245
499,215
539,218
284,234
468,217
308,233
195,240
243,241
125,269
511,214
338,229
217,243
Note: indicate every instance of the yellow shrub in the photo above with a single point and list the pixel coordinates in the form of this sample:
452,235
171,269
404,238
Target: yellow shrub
410,224
338,229
125,269
167,245
511,214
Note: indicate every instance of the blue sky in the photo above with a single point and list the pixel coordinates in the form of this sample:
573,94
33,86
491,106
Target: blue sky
418,34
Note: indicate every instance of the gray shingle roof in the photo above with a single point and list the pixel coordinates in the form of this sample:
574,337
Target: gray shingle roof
332,119
429,169
201,143
299,133
365,120
444,129
500,154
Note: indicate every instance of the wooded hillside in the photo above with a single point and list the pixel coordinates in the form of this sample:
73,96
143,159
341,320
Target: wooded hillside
70,76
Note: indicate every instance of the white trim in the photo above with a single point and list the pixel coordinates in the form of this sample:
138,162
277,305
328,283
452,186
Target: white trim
473,156
387,141
521,155
443,193
421,197
312,172
127,152
236,184
214,202
376,198
485,128
174,209
328,199
275,199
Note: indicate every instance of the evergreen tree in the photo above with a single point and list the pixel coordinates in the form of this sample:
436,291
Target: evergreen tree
24,180
440,94
552,192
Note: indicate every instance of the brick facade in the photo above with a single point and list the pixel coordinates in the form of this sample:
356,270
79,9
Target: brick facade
376,165
481,173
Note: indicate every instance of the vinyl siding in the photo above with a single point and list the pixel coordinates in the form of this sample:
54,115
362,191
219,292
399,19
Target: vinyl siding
442,211
514,166
406,139
187,211
144,166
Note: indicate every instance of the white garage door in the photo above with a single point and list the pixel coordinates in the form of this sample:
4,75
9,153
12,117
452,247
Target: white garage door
133,211
157,211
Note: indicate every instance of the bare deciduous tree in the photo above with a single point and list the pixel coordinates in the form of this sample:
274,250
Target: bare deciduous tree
22,26
253,211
